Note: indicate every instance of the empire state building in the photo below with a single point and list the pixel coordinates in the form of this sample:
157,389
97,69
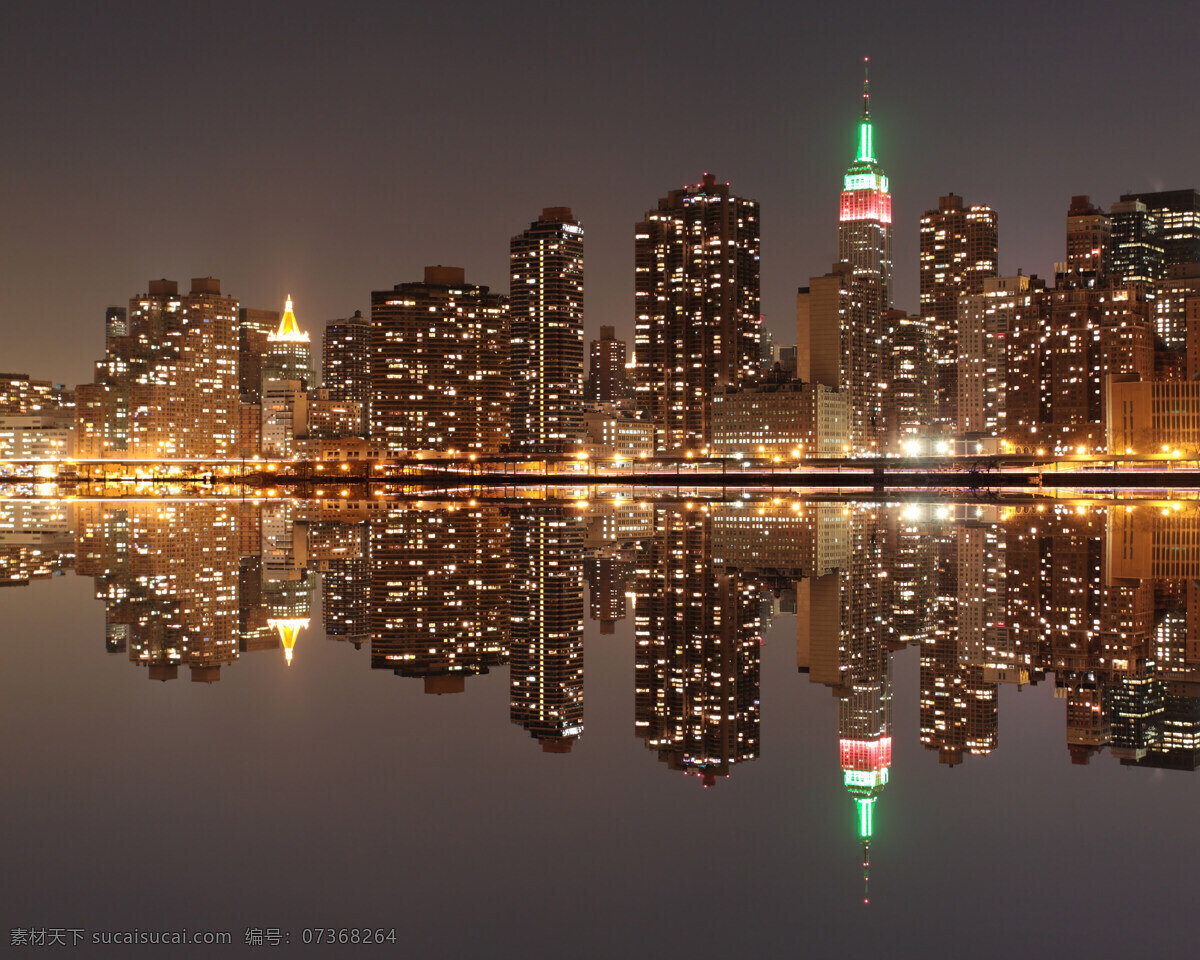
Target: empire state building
865,221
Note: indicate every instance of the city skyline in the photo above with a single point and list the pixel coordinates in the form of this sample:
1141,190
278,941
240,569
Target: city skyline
334,215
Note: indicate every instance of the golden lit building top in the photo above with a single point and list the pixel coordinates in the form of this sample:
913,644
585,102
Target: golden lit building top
289,630
289,329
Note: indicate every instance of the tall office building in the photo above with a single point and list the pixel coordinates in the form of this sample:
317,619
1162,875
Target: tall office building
1137,250
439,365
345,361
546,334
607,378
865,220
168,385
958,252
1178,213
288,355
697,308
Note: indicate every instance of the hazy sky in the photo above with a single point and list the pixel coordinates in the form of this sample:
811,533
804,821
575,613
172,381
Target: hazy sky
329,149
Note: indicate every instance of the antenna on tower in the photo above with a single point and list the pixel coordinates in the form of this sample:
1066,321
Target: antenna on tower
866,88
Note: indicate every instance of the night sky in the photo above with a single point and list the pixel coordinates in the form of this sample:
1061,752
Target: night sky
328,149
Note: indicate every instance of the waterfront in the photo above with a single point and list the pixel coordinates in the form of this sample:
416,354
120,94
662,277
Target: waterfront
317,779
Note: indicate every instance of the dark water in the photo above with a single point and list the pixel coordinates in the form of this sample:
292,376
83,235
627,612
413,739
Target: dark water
631,729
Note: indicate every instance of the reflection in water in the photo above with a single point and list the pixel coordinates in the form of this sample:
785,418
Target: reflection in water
1105,598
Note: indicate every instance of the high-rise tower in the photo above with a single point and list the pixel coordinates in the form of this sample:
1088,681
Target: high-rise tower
289,351
865,221
697,300
546,322
958,252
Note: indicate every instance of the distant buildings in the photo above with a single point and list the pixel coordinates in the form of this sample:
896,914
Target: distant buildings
697,307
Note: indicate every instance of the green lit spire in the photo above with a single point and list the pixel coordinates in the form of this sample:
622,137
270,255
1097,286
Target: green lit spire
866,149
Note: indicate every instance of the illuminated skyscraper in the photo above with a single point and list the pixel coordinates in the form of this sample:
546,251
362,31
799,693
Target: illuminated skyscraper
1137,250
911,371
288,355
839,332
865,221
168,384
607,378
958,252
697,301
345,361
439,365
1178,213
1089,243
984,322
546,341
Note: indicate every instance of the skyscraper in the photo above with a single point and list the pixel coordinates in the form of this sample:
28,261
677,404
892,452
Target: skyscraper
1137,250
345,360
1089,242
254,326
288,354
839,336
984,321
958,251
1178,213
546,324
607,381
168,384
439,365
865,221
697,305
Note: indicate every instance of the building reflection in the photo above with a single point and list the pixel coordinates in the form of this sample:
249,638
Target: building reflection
1101,601
440,594
697,658
546,604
